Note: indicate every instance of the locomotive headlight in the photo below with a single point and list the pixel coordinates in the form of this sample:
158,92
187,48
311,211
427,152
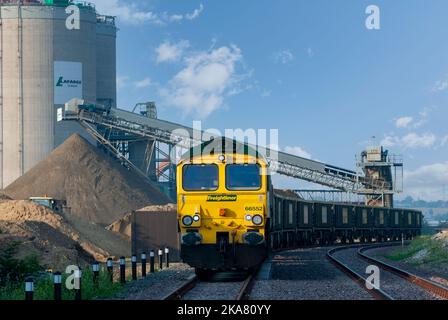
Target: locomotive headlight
248,217
257,220
187,221
196,218
222,158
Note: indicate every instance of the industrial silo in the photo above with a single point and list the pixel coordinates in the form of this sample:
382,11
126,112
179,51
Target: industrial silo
106,71
43,65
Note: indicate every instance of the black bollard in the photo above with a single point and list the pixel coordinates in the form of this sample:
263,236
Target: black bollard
29,289
110,269
134,267
160,259
151,261
78,278
122,270
167,257
143,258
96,273
57,280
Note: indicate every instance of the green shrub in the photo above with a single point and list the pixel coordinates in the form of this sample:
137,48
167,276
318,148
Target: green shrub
16,270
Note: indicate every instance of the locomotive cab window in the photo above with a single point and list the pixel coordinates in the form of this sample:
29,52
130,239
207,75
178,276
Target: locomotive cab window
243,177
200,177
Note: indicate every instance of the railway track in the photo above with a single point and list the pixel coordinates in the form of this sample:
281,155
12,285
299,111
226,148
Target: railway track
194,289
395,283
426,284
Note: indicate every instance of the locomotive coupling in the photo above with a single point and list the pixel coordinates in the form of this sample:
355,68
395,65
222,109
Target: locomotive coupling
191,238
253,238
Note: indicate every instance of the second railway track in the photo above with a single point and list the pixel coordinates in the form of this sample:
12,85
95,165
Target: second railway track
395,283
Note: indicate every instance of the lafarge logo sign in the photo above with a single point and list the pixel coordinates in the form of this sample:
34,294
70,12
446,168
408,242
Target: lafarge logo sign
67,81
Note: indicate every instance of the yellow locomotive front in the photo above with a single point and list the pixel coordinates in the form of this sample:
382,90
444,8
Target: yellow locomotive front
223,210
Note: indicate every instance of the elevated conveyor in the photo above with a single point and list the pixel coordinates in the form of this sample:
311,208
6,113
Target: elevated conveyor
176,134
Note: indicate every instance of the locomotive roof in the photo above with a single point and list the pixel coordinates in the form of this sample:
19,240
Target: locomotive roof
222,146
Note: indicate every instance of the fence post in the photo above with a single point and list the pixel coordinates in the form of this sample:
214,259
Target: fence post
123,270
152,261
134,267
96,272
57,280
29,289
143,258
78,278
110,269
167,257
160,259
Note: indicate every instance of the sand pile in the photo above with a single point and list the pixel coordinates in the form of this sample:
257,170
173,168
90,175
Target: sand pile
96,187
55,239
123,225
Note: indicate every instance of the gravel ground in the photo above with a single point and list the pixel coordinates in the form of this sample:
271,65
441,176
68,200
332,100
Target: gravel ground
221,286
436,273
395,286
306,274
214,291
157,285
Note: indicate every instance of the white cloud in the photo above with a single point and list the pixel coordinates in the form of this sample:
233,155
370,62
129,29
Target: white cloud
207,76
426,182
167,52
122,81
414,140
411,140
143,83
440,85
131,13
283,56
298,151
403,122
389,141
196,13
176,17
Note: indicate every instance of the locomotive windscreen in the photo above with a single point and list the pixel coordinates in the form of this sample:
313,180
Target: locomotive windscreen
243,177
200,177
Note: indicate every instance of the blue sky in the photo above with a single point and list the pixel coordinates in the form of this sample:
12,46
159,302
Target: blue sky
308,68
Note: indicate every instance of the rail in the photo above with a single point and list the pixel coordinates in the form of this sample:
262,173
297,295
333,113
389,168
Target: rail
426,284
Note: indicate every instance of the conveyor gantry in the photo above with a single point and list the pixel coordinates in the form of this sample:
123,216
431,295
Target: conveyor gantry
176,134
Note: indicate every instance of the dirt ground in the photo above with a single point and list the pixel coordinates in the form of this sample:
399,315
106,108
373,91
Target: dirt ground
56,240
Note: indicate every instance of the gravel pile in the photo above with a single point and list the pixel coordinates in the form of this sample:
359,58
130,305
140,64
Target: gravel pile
96,187
395,286
306,274
158,285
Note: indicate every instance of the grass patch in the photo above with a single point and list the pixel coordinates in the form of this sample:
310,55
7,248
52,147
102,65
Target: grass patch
13,273
422,250
44,290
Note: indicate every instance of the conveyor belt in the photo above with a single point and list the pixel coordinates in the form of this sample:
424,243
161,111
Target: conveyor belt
286,164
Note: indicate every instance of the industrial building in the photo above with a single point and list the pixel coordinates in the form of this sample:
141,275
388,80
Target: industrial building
43,64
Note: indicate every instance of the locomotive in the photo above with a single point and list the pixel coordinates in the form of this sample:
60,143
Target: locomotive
230,216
